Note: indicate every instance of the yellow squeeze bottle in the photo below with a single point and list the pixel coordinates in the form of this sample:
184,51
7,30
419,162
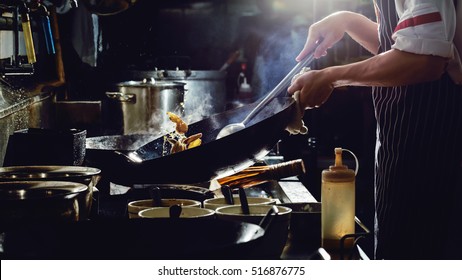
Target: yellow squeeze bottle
338,205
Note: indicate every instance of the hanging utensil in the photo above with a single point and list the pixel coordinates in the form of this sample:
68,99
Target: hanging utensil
46,27
27,33
284,84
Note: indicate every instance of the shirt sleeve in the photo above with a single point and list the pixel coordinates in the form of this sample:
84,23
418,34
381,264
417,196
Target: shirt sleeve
425,27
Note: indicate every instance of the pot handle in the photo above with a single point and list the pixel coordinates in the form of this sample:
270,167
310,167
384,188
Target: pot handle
122,97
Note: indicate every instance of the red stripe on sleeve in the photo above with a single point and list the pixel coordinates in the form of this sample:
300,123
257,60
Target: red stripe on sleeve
418,20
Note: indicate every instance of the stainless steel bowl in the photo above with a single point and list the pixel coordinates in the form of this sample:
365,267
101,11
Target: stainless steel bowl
88,176
35,201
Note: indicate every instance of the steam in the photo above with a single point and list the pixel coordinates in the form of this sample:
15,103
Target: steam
198,106
276,56
160,124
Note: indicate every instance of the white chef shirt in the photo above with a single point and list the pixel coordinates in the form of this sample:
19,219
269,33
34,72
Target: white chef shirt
430,27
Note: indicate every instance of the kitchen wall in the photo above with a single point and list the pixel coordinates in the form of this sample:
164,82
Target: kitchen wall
198,35
268,33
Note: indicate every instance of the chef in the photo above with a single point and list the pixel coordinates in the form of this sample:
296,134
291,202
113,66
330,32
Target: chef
416,76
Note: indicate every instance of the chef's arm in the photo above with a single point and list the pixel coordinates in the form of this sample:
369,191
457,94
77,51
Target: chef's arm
362,30
391,68
325,33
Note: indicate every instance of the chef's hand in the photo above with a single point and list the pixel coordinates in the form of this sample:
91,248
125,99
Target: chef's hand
296,124
323,34
314,87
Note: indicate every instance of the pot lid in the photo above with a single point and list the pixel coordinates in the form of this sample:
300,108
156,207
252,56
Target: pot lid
178,74
151,82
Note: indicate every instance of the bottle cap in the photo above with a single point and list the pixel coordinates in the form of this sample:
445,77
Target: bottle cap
338,172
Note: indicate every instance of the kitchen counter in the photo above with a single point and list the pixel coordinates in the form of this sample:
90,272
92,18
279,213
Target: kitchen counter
303,239
305,243
113,229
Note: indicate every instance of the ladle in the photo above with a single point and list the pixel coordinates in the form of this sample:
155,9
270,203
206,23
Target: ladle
267,220
227,194
283,85
175,211
156,196
243,200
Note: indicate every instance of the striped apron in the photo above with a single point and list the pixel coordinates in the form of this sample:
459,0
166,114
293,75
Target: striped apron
418,163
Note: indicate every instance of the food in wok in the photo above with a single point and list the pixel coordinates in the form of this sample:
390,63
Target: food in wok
178,138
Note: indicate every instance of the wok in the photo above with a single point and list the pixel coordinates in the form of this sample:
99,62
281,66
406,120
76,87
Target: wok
124,143
100,149
213,159
134,239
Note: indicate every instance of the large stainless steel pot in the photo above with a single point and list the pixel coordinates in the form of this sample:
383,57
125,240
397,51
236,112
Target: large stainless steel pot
205,90
141,106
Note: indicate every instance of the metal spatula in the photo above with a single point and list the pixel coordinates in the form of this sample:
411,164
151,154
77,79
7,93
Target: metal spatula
284,84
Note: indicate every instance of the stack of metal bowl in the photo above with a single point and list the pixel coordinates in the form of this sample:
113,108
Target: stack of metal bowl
34,193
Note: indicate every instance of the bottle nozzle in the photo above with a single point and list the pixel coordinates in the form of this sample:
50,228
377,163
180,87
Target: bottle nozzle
338,156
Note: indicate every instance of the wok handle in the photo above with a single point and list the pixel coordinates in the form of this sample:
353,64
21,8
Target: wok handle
284,84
